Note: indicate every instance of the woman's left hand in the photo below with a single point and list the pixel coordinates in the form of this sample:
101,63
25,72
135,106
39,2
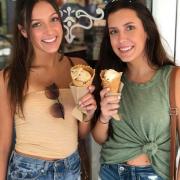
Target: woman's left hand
88,103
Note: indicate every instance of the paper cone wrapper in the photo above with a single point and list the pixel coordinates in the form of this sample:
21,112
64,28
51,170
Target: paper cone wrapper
78,93
81,83
113,85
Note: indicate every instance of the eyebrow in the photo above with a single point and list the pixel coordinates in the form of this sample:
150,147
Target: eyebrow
50,16
128,23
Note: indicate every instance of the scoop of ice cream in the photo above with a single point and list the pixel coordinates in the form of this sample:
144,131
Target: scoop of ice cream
110,74
80,74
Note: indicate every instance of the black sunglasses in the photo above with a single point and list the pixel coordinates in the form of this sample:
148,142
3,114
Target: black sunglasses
57,109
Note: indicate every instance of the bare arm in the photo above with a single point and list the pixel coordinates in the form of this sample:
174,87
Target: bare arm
109,107
177,95
6,127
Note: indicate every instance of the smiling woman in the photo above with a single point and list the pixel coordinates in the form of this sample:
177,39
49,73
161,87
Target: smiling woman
35,97
137,146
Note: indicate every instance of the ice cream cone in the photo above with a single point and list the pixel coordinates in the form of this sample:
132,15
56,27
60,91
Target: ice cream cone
113,84
82,75
112,79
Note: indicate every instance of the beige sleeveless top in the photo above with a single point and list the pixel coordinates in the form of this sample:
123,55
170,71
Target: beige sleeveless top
40,134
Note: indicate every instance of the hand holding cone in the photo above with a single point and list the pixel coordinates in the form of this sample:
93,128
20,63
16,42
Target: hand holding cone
112,79
82,77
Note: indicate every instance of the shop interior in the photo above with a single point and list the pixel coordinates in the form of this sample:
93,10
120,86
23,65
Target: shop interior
83,38
85,31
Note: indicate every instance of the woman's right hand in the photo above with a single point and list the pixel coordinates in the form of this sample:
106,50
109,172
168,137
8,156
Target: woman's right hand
109,105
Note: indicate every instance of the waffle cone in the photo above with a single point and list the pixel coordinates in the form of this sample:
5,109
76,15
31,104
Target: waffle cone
114,85
84,83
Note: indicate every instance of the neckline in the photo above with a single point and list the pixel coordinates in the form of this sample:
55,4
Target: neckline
149,83
43,91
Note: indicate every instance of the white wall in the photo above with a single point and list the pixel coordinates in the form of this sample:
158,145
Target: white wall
165,14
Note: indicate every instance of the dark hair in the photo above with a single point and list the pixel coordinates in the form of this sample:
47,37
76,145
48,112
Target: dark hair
22,51
154,49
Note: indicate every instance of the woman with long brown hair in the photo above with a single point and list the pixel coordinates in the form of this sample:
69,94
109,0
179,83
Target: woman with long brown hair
137,146
36,99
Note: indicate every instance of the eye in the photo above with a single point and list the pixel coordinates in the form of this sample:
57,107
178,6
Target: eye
36,24
55,19
130,27
113,31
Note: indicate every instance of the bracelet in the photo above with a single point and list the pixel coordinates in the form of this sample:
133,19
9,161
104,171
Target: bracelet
103,122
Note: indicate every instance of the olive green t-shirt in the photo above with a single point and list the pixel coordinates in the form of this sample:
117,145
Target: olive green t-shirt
144,127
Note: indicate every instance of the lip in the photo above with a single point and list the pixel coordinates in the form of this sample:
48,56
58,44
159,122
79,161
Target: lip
125,49
49,40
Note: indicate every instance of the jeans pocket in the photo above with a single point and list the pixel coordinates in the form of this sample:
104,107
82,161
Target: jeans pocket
23,171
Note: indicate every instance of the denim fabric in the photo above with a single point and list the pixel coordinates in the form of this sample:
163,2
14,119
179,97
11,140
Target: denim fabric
26,168
127,172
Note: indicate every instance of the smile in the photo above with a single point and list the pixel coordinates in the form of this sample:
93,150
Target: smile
50,40
125,49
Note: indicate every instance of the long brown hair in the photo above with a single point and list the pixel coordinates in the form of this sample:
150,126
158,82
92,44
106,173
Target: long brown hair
154,49
22,52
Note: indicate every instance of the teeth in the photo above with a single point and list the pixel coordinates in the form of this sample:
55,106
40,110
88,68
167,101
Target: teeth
49,40
125,49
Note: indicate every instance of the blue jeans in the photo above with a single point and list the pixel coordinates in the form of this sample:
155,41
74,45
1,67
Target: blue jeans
127,172
26,168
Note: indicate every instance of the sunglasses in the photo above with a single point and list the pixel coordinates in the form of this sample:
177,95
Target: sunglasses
57,109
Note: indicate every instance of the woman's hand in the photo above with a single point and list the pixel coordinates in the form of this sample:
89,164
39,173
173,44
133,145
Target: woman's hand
88,103
109,105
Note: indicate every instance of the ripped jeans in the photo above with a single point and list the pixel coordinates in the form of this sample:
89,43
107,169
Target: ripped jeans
26,168
127,172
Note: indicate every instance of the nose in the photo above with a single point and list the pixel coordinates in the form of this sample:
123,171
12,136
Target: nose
48,28
122,36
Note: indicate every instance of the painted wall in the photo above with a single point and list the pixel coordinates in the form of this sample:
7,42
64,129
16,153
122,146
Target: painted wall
166,15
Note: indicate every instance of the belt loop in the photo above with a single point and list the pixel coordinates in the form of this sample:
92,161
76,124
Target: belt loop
11,155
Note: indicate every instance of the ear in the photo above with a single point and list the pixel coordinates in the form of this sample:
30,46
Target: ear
22,30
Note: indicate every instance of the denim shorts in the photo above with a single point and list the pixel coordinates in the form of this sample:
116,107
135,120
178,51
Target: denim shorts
26,168
127,172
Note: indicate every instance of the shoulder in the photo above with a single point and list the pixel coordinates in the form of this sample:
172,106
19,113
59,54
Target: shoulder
77,60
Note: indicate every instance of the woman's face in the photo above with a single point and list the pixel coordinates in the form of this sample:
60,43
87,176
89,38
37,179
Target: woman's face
127,35
46,29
